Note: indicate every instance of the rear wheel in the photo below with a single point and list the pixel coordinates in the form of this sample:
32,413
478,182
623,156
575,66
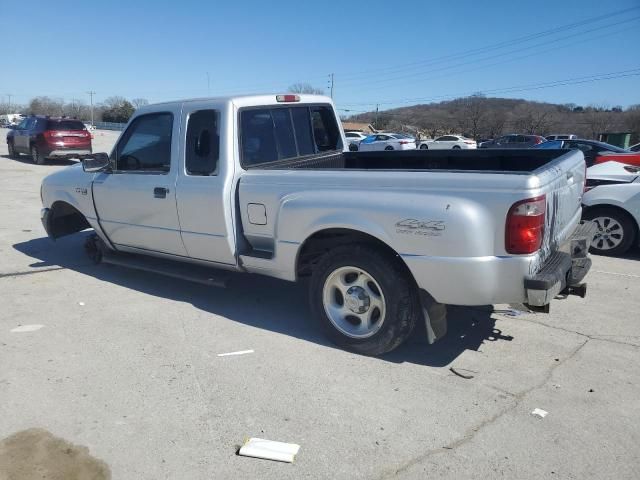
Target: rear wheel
424,146
36,156
12,150
388,147
456,147
616,231
364,298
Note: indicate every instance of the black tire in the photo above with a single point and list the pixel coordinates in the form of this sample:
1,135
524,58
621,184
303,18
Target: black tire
12,150
353,147
628,231
388,147
424,146
401,299
456,147
36,156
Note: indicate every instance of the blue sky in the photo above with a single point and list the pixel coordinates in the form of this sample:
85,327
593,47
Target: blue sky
392,53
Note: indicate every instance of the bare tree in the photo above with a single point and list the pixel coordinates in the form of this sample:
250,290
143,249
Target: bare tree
533,118
139,102
471,113
305,88
597,119
46,106
494,124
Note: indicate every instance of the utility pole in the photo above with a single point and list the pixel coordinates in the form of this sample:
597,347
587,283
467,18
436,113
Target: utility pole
91,94
9,95
330,82
376,116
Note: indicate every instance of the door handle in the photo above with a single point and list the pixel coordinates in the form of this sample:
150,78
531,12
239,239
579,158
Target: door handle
160,192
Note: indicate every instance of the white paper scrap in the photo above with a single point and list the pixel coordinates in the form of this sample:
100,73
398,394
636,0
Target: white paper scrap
539,412
241,352
269,450
26,328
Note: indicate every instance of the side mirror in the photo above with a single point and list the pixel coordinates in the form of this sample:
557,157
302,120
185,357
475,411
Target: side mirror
96,163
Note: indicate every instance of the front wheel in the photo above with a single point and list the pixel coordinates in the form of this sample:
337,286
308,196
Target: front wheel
12,150
424,146
364,298
616,231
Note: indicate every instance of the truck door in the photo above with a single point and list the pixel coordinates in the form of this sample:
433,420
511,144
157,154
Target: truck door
204,186
136,202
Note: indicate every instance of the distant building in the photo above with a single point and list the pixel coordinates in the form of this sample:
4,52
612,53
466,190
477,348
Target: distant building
365,128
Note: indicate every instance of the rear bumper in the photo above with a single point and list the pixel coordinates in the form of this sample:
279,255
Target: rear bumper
68,152
564,270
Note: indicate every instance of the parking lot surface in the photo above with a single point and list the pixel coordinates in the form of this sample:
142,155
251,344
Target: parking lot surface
125,364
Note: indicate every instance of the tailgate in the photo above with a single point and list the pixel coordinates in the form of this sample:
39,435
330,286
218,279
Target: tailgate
564,188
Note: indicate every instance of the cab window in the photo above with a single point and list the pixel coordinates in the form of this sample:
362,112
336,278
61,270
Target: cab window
146,145
202,146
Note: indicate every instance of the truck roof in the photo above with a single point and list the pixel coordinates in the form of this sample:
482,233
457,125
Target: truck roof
249,100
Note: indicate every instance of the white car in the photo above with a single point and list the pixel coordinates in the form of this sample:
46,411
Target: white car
612,201
387,141
561,136
454,142
354,139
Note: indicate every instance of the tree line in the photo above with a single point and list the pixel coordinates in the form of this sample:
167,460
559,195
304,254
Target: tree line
112,109
479,117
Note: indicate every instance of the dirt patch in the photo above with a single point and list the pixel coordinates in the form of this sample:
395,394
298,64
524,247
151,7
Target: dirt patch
37,454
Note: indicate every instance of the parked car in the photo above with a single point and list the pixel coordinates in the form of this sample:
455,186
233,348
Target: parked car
455,142
45,137
353,139
612,202
387,141
372,230
514,141
594,151
561,136
635,148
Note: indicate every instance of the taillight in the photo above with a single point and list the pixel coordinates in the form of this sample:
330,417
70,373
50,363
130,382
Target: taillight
404,142
469,142
287,98
50,134
525,225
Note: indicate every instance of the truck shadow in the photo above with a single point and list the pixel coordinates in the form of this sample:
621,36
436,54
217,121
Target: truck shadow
265,303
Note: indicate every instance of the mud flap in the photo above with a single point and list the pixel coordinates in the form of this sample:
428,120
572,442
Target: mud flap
435,317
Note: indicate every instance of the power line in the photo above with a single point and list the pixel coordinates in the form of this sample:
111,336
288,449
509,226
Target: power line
499,55
506,43
516,88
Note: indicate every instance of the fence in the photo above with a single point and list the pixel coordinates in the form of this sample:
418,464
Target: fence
109,126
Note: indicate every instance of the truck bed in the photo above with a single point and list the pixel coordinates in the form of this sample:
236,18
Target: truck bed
512,161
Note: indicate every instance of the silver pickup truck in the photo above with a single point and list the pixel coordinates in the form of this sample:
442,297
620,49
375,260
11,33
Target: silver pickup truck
263,184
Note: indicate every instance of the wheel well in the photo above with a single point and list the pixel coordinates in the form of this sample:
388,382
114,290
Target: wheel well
622,211
65,219
321,242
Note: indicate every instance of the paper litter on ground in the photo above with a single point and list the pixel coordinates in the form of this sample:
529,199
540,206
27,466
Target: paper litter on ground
269,450
240,352
539,412
26,328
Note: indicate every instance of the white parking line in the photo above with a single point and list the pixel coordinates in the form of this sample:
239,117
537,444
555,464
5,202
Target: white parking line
241,352
631,275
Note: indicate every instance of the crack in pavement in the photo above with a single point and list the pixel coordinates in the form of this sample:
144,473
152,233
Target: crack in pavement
586,335
473,431
30,272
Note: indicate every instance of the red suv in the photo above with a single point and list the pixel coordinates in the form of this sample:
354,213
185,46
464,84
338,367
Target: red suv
47,137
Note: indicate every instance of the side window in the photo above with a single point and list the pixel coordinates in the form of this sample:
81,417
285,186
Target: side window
146,145
325,129
440,139
202,147
258,139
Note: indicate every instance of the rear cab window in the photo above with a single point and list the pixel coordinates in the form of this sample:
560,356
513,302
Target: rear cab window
272,134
